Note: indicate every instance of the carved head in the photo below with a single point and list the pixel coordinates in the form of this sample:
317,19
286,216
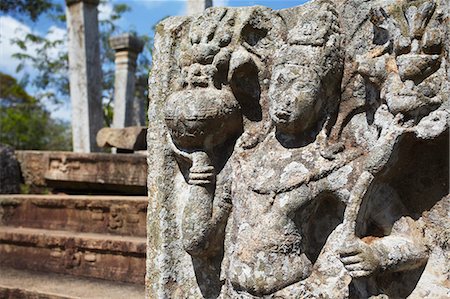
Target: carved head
307,73
295,101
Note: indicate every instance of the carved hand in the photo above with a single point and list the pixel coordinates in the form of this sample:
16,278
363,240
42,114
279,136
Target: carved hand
202,172
360,259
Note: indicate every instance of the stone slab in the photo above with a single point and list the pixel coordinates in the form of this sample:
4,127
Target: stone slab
39,285
118,258
93,172
301,153
117,215
129,138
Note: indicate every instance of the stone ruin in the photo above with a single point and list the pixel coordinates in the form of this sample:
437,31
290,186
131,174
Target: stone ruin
301,153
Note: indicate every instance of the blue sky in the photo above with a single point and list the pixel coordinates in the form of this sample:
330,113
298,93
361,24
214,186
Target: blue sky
143,15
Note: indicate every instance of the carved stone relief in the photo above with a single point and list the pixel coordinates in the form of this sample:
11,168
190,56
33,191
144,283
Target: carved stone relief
300,153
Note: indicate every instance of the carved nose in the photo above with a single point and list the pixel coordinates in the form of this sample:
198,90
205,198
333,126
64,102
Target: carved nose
204,53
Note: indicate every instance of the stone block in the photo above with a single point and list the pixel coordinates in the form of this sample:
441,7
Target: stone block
117,258
129,138
93,172
116,215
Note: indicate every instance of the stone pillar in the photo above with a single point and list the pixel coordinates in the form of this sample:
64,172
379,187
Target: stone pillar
197,6
85,73
128,110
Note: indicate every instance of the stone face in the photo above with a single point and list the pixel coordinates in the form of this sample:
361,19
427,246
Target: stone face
10,171
75,172
85,73
300,153
130,138
128,110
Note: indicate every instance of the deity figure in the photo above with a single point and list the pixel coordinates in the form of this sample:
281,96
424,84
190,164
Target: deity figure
271,199
266,185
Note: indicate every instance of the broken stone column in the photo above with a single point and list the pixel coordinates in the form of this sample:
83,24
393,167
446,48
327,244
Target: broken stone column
85,73
300,153
197,6
128,109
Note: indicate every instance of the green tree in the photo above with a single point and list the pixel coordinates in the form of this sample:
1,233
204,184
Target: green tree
25,124
51,60
30,8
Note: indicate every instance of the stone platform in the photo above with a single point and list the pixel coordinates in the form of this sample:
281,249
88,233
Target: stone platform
84,236
85,172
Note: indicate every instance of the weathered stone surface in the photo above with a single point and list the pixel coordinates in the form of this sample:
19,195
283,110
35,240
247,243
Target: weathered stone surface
119,258
96,172
117,215
85,73
130,138
128,109
301,153
9,171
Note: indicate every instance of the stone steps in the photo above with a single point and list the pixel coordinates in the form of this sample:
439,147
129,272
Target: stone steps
81,235
119,215
117,258
39,285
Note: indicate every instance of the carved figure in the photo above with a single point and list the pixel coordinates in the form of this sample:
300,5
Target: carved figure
299,153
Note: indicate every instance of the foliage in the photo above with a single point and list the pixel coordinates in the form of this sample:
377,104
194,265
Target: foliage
50,59
23,120
30,8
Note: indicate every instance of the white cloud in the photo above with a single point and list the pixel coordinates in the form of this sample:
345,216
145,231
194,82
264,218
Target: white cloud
105,10
61,111
56,33
11,28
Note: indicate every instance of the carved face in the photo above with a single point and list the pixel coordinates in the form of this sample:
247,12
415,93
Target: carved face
295,101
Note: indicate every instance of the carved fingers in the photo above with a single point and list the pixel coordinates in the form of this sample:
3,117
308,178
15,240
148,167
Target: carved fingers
359,259
201,175
202,172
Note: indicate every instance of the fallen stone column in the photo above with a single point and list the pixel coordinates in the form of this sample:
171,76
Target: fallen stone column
125,139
